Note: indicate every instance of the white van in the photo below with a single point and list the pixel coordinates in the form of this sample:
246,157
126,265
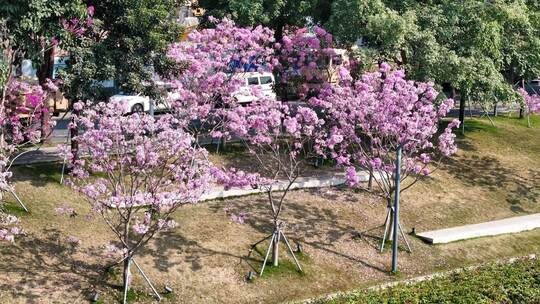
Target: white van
264,81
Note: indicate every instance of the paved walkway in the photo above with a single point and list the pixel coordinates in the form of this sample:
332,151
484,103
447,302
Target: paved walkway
504,226
51,154
300,183
43,155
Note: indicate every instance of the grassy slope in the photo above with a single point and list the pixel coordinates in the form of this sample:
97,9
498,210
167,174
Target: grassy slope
495,175
518,282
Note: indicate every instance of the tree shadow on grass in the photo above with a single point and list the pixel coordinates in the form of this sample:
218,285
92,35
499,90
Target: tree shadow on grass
526,189
300,220
317,226
492,176
44,263
39,175
170,243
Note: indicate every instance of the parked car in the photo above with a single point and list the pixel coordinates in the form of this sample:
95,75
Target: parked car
264,81
533,87
138,103
135,102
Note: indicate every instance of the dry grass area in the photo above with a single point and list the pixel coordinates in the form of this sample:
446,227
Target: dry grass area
495,175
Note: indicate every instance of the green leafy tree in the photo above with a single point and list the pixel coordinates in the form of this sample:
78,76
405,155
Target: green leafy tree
34,26
128,43
32,29
477,48
276,14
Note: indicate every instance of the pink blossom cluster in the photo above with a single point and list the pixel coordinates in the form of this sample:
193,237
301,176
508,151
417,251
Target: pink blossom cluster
368,119
9,227
532,101
304,57
113,251
211,58
233,178
280,139
239,218
265,121
5,175
21,113
74,240
133,164
65,209
77,26
23,109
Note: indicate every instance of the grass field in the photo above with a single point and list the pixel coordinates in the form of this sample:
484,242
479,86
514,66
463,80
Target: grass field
495,175
516,282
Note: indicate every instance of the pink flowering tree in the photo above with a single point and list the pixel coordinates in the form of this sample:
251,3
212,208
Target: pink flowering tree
135,172
21,112
24,114
532,104
308,61
369,119
212,61
280,140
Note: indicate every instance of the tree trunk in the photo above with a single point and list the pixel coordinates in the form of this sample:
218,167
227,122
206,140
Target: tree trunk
45,72
126,273
462,113
275,250
389,234
278,33
495,110
370,181
73,133
521,110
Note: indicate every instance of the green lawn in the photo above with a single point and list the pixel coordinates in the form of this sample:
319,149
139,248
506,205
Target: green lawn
518,282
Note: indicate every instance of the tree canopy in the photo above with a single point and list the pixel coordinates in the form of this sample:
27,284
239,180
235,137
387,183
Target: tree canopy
128,44
275,14
480,48
34,27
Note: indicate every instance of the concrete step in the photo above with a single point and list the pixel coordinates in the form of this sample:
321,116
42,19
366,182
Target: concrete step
504,226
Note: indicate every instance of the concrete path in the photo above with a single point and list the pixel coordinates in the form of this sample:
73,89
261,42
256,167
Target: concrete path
301,183
43,155
51,154
504,226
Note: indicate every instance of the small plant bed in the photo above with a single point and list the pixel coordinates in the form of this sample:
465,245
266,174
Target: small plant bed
518,282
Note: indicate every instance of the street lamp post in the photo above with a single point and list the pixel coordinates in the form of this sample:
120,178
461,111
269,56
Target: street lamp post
396,209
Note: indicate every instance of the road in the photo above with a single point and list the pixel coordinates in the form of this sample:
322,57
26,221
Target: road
60,132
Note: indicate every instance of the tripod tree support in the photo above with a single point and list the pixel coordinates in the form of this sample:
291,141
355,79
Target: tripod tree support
275,238
127,280
388,232
18,200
